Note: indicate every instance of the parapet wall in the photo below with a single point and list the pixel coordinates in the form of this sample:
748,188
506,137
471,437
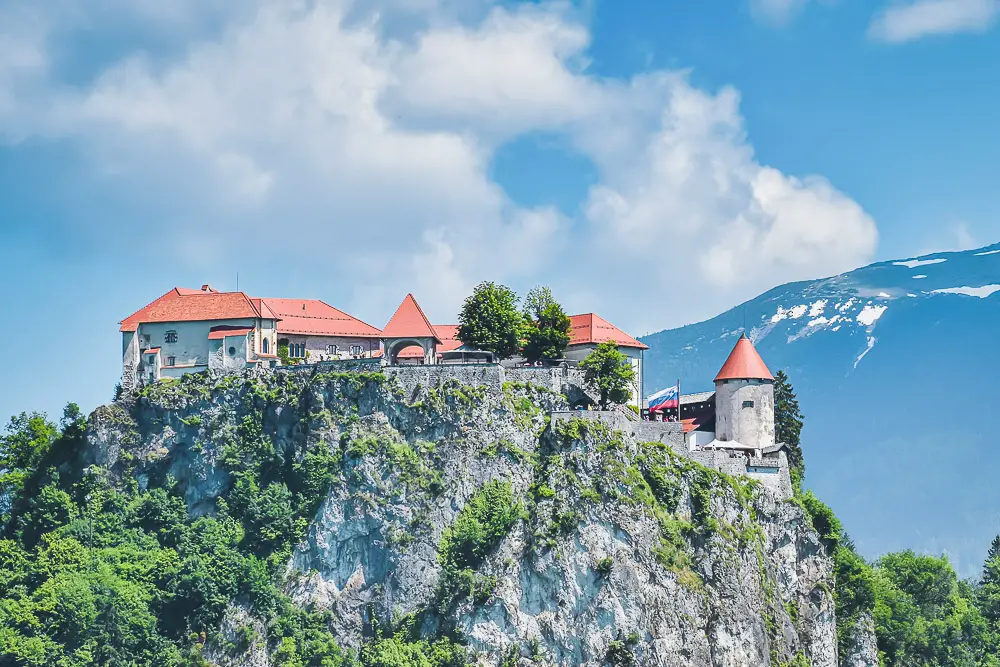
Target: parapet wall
473,375
739,463
671,433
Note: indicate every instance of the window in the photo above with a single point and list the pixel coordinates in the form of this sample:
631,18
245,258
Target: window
332,349
356,350
171,361
747,404
170,337
263,345
297,350
232,351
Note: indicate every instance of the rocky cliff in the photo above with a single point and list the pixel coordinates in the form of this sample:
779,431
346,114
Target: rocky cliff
449,502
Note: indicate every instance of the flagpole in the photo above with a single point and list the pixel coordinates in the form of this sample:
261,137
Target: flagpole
678,400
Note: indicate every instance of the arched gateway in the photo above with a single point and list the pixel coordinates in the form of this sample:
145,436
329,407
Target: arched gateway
409,326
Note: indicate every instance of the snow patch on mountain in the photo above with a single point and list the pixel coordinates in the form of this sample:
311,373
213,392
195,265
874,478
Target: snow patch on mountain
914,263
981,292
919,276
871,344
988,252
869,314
846,306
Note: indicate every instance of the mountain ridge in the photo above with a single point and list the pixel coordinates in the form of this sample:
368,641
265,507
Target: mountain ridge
891,363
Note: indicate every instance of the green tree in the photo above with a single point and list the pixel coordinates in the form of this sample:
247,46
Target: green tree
925,617
490,320
788,424
27,440
989,587
547,335
537,300
610,372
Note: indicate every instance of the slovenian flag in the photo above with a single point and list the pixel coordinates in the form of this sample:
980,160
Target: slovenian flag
665,398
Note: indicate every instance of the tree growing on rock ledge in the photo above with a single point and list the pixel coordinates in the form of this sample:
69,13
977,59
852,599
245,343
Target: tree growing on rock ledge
610,371
547,326
491,321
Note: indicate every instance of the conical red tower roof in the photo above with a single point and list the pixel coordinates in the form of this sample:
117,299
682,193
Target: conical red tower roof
744,363
409,321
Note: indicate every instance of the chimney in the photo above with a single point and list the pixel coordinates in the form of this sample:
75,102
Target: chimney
207,288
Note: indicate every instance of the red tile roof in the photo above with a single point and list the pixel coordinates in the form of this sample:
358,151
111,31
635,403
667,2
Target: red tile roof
314,317
409,321
744,363
152,350
446,333
591,328
188,305
220,332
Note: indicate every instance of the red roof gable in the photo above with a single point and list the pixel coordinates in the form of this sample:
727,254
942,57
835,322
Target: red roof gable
314,317
446,333
744,363
187,305
409,321
591,328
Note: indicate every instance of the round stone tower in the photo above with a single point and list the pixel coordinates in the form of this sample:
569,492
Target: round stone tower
744,398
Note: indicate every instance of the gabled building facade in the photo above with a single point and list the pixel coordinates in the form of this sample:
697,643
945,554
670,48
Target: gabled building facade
589,330
189,330
316,331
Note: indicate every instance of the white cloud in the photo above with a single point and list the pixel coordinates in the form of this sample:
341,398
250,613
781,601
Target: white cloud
776,12
358,143
913,20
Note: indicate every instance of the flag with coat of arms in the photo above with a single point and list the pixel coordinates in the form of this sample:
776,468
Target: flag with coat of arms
663,399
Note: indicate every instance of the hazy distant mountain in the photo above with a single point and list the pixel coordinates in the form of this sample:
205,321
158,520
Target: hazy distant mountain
896,366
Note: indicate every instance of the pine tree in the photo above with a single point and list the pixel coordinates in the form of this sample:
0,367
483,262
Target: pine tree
989,587
788,422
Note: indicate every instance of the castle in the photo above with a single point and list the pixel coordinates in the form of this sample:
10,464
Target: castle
188,330
194,330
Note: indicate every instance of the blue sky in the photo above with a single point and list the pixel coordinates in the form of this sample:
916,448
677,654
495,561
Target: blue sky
656,161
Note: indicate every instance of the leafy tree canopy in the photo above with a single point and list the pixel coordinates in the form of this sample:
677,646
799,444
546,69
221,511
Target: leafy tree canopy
610,371
490,320
537,300
547,326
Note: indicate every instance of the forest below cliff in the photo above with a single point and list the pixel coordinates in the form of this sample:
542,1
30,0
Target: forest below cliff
210,521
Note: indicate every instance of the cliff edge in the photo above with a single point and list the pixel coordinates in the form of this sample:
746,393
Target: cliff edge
449,503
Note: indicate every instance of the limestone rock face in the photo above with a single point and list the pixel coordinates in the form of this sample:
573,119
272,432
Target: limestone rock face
624,552
863,651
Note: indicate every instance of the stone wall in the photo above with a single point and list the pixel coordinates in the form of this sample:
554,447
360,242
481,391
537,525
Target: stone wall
735,463
473,375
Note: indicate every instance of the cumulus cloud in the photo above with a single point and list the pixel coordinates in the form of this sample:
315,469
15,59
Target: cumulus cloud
351,143
914,20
